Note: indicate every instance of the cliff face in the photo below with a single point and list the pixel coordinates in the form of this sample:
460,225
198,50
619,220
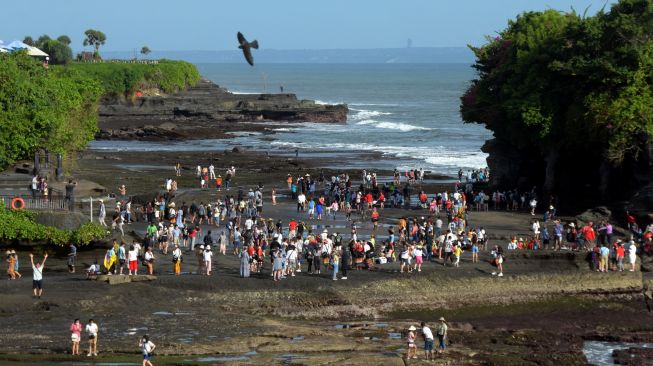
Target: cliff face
209,109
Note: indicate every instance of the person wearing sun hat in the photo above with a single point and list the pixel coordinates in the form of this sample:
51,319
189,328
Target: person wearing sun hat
411,350
441,331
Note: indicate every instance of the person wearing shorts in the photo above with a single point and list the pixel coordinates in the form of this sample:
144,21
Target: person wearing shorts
411,347
92,330
75,337
132,257
428,341
37,278
147,348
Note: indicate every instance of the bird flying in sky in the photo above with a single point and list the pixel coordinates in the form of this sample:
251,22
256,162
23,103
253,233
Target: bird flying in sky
247,48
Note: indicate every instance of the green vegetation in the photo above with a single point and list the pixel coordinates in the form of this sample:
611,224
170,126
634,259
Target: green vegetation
40,108
94,38
122,80
559,84
58,49
20,225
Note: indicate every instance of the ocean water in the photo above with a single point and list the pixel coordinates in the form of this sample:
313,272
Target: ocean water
405,111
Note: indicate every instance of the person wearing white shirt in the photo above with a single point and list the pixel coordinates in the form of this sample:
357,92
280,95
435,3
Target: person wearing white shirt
132,259
208,256
92,330
147,347
428,341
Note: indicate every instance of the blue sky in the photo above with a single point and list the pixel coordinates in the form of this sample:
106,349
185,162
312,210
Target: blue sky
277,24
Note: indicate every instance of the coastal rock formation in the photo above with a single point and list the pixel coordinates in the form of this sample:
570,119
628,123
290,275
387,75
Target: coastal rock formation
206,111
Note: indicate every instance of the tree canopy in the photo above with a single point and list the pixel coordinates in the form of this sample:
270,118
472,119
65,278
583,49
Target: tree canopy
64,39
39,108
94,38
145,50
566,82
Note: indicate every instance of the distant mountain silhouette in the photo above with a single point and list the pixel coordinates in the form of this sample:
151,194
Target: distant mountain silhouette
427,55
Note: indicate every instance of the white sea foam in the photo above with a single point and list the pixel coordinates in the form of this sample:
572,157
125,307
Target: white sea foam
404,127
432,156
363,114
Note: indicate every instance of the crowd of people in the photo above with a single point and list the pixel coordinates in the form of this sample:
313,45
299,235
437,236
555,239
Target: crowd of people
440,233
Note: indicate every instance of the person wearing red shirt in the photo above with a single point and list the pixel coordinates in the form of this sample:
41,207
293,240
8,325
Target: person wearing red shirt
381,200
292,227
621,253
375,218
589,235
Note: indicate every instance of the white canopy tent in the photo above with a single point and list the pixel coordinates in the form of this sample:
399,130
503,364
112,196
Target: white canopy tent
18,45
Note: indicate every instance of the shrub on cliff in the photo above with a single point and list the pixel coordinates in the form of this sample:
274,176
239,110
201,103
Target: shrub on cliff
123,79
19,225
41,108
562,87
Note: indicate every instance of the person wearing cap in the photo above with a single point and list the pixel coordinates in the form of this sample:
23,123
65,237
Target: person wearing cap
441,331
208,257
411,350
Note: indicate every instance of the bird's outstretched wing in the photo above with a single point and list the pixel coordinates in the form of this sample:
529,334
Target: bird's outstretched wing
241,39
248,55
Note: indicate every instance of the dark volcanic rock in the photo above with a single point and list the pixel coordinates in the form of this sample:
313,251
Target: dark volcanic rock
206,111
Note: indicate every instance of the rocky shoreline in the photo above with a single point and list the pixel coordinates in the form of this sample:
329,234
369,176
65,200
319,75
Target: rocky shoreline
206,111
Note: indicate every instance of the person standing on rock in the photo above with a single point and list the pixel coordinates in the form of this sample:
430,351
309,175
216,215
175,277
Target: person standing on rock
76,333
72,258
411,351
176,260
37,277
211,172
441,332
103,214
92,330
428,341
632,255
149,261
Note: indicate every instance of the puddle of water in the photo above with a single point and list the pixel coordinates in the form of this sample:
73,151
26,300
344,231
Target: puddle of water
288,357
164,313
297,338
381,325
394,335
342,326
372,338
221,358
185,340
251,353
183,313
600,353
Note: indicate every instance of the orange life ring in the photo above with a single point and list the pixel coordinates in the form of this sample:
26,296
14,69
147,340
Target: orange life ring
19,201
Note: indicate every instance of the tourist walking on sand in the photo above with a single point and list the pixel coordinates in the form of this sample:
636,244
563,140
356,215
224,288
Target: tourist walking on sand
335,262
75,336
72,258
176,260
428,341
11,265
37,277
245,263
92,331
497,254
147,348
208,257
441,332
149,261
411,351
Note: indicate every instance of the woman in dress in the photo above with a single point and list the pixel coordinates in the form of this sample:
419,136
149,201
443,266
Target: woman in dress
245,260
632,255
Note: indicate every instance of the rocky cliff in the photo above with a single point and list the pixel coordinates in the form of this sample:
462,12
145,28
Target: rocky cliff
206,111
